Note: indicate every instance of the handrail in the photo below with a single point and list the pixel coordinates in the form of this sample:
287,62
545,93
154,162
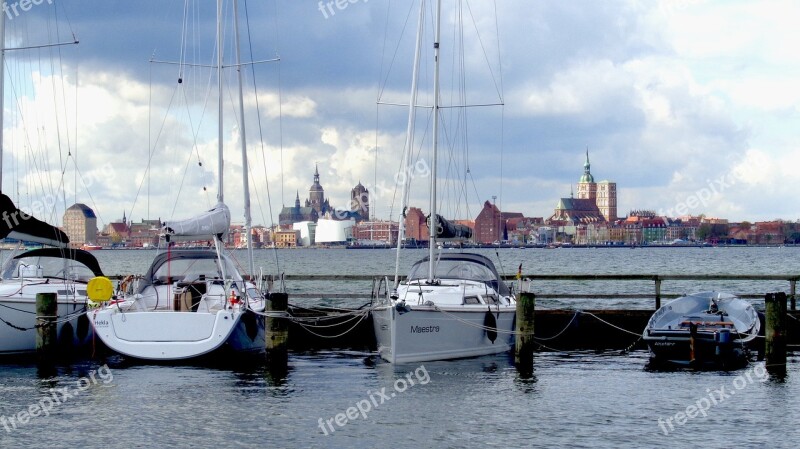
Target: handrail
657,279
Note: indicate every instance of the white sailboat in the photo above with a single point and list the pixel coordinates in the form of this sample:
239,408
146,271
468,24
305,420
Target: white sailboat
451,305
55,269
191,303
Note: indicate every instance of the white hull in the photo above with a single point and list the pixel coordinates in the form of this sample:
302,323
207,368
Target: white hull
168,335
20,310
425,334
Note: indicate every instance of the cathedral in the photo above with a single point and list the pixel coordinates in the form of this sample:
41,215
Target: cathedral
317,206
596,201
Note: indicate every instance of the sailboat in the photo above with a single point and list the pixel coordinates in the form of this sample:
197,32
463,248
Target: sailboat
191,303
53,269
451,305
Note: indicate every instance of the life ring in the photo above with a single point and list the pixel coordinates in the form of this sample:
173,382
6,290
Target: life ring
490,323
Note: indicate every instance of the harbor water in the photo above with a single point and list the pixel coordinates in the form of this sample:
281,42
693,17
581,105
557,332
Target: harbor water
344,398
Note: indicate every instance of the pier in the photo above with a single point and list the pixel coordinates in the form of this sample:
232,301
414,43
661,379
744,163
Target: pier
571,326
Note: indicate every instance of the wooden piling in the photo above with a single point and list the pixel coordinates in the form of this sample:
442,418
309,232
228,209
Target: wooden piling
658,293
524,344
792,290
46,330
277,328
775,318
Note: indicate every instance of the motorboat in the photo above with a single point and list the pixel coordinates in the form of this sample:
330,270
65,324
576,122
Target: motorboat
703,329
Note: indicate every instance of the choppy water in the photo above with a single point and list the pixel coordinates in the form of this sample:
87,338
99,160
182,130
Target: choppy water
573,399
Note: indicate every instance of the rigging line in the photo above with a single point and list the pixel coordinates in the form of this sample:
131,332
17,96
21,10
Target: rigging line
88,192
188,159
483,48
385,81
280,99
182,51
149,129
377,106
261,131
152,150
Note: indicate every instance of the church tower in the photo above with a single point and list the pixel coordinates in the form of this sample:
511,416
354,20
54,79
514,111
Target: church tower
359,201
587,188
316,196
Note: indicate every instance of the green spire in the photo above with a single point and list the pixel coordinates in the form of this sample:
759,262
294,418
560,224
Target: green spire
587,175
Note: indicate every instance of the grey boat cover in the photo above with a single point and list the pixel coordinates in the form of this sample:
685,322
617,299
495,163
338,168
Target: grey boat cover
213,223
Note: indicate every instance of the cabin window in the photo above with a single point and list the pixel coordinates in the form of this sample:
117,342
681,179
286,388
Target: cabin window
472,300
491,299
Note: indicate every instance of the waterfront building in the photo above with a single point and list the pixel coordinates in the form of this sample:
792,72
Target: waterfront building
308,230
80,225
375,232
491,224
416,225
333,232
285,238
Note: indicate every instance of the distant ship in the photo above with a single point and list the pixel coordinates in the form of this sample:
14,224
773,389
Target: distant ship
90,247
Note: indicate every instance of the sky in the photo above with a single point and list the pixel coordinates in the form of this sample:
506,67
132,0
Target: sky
688,105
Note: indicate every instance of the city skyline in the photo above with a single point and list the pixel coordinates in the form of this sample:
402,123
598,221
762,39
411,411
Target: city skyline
681,120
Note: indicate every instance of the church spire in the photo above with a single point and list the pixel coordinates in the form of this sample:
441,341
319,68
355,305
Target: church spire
297,200
587,174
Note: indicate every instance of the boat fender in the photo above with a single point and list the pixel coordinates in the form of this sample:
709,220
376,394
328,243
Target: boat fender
724,336
402,308
99,289
490,323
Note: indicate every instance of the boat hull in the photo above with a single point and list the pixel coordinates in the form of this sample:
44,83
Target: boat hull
21,313
707,351
424,333
708,329
168,335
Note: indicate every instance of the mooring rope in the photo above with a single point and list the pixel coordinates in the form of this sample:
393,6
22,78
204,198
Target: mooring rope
575,315
612,325
333,336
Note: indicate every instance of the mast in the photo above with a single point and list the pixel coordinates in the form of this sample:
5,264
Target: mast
2,88
434,221
412,113
243,138
220,161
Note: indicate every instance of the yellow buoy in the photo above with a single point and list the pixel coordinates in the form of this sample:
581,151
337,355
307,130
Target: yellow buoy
100,289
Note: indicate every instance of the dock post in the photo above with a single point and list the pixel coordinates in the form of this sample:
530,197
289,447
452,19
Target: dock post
658,293
775,345
277,327
523,348
46,329
792,287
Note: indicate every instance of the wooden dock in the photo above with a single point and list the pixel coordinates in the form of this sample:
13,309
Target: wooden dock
572,328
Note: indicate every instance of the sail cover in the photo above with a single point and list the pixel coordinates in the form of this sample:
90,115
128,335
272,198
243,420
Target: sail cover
446,229
215,222
16,224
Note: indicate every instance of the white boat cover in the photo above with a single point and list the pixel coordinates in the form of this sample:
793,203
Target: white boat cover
215,222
